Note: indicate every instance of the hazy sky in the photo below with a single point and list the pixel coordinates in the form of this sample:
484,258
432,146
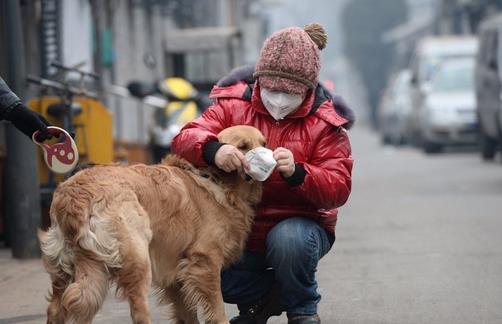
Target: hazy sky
286,13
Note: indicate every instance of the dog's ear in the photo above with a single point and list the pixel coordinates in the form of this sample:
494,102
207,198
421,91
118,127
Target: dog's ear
250,192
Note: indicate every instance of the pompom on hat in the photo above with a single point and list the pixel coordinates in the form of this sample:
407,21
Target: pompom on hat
290,59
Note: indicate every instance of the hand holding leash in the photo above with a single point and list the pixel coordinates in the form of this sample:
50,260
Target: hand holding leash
28,121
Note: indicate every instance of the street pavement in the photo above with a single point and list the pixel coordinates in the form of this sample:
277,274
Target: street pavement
420,241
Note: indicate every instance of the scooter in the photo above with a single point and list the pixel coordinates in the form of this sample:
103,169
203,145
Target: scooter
183,104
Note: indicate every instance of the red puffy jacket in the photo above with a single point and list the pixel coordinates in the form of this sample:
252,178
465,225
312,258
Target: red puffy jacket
314,134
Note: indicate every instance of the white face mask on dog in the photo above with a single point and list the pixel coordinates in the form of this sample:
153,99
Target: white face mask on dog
261,163
280,104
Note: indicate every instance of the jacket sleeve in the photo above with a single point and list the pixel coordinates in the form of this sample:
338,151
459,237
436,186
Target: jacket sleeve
193,137
8,99
327,176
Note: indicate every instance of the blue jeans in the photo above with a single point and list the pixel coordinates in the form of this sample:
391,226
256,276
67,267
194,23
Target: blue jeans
294,248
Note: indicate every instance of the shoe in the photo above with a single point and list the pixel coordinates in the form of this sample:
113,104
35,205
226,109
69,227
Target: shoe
260,312
244,319
303,319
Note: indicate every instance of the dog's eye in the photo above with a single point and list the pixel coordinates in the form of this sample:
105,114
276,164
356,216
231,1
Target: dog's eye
243,146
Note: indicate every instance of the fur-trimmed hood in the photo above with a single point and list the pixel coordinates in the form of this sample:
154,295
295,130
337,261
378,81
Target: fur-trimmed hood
245,73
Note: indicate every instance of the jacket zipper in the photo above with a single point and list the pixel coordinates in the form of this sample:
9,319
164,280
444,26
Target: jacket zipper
274,128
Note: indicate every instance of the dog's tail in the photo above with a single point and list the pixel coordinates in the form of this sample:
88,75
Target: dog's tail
79,249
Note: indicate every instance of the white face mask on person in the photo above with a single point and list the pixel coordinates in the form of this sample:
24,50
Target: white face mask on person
280,104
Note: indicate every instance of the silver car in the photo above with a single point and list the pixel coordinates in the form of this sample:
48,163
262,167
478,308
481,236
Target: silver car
430,52
448,115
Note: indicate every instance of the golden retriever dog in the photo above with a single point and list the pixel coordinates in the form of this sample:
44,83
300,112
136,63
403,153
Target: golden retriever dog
169,224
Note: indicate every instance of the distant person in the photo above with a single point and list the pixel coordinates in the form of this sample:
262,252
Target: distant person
295,222
24,119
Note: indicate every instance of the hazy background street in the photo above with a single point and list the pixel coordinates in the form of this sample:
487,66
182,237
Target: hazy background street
420,239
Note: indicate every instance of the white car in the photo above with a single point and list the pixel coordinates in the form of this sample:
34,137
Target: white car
395,110
448,115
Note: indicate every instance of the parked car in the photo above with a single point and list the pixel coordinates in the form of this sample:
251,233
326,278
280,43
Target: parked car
395,110
488,87
448,115
430,52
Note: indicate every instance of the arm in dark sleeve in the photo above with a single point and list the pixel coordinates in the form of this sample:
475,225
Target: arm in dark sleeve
8,99
24,119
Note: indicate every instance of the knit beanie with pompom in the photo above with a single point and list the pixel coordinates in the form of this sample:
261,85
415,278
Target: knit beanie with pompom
290,59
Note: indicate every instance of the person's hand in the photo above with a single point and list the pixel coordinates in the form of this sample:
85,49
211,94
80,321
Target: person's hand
285,161
28,122
229,158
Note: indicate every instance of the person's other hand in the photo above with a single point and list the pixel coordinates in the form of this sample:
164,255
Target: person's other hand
285,161
28,122
229,158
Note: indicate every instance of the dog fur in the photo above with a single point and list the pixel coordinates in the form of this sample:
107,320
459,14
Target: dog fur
169,224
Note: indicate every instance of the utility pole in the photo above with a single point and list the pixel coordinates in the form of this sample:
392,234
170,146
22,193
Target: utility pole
96,9
21,188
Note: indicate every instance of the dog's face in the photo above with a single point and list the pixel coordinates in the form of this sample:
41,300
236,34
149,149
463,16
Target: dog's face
245,138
